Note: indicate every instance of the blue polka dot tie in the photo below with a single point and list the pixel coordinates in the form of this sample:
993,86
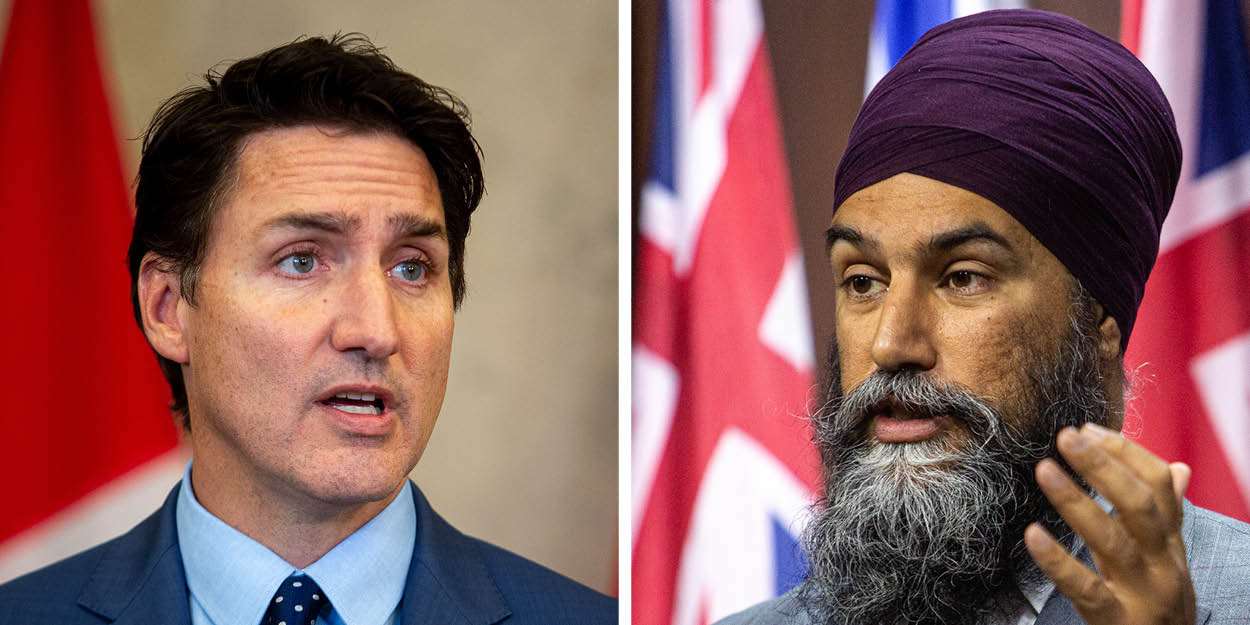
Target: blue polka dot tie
297,602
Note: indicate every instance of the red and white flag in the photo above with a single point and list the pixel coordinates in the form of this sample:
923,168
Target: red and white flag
722,461
1191,343
88,436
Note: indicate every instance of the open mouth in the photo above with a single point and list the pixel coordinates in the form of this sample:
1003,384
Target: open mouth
891,422
356,403
906,429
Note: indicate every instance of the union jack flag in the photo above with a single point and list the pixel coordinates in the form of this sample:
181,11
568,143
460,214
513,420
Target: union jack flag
1191,343
722,463
898,24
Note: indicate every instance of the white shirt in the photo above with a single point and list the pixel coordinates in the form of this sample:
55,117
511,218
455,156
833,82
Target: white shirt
1035,600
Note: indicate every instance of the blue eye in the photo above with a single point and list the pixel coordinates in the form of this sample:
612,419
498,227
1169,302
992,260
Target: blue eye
409,270
299,263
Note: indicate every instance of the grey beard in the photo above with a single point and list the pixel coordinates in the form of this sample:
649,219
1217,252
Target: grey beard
919,533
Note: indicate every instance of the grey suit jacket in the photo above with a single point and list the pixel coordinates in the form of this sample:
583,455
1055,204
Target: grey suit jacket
1218,549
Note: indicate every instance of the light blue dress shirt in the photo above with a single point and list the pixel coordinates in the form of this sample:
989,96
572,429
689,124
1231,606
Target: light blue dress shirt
231,578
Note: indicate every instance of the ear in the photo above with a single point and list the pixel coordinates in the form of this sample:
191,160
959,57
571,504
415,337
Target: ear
161,306
1111,360
1108,337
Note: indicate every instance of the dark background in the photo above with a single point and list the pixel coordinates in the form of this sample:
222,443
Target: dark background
818,53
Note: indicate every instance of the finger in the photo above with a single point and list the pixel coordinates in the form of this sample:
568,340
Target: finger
1114,548
1134,500
1180,478
1087,591
1150,468
1180,481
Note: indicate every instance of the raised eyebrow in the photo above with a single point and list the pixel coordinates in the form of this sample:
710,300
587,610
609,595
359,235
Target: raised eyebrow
402,226
336,223
837,233
408,225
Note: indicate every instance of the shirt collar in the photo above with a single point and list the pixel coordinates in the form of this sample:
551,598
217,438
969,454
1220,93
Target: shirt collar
1038,594
364,576
233,577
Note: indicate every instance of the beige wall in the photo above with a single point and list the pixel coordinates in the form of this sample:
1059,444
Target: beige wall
525,452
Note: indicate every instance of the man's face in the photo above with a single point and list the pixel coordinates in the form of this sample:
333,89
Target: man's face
320,336
937,280
962,347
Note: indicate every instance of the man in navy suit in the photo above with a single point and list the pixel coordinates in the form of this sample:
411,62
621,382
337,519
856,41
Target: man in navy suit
296,262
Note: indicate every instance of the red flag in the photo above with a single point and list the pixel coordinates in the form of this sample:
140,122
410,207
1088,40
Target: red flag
87,402
1191,342
722,460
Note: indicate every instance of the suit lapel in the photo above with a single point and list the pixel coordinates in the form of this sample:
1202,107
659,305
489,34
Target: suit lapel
1058,611
1188,529
139,578
447,581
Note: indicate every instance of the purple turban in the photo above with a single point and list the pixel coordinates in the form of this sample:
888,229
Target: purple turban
1058,125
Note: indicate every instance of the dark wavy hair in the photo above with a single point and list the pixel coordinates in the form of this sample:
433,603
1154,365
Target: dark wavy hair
192,146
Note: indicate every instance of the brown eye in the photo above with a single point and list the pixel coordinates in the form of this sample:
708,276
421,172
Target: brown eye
966,282
861,284
962,279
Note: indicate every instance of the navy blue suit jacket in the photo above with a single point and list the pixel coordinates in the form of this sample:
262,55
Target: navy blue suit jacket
138,578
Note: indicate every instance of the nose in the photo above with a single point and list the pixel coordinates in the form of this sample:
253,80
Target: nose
366,316
904,330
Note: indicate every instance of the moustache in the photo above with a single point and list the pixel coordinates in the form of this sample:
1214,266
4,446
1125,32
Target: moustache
908,393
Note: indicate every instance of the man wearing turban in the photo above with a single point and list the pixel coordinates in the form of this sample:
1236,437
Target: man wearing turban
997,213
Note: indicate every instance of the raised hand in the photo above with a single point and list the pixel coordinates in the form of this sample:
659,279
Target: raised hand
1142,577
